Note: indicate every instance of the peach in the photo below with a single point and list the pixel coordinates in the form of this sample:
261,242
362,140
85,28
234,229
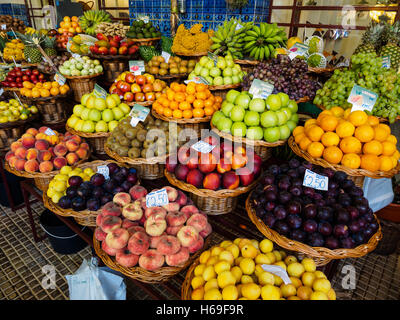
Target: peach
126,224
151,260
155,225
8,155
110,251
31,166
21,152
110,223
197,245
212,181
178,258
230,180
223,166
40,136
59,162
122,198
126,258
132,211
99,219
117,238
46,166
72,158
175,219
82,153
134,229
32,154
44,155
43,129
154,240
154,210
207,163
171,207
188,210
173,231
15,145
28,141
138,243
32,131
72,145
111,209
172,193
137,192
42,144
51,150
19,164
181,199
238,161
206,231
52,139
195,178
84,145
197,221
168,245
143,203
60,150
99,234
187,235
13,160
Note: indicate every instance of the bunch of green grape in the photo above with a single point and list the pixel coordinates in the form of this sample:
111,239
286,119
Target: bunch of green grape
366,71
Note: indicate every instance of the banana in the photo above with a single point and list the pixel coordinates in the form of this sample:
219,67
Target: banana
216,40
252,33
257,30
262,28
249,38
249,44
215,46
267,52
261,57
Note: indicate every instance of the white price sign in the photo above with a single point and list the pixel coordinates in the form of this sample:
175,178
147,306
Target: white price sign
166,56
315,181
157,198
49,132
104,171
203,147
278,271
136,66
59,78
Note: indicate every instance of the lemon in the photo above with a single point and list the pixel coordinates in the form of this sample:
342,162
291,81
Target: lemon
251,291
65,170
270,292
230,293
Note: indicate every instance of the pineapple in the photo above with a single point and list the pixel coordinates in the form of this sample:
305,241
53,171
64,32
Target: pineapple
31,51
371,39
391,48
49,47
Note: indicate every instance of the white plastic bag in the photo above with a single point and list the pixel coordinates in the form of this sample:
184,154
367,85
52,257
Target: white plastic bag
93,283
379,192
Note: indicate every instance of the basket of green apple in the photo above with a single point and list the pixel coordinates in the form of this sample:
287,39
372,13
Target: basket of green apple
94,119
261,123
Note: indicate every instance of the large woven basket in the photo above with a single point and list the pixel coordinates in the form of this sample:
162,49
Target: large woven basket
143,275
96,140
84,217
144,103
209,201
53,109
262,148
113,68
247,65
221,91
82,84
321,255
146,42
150,169
194,56
321,70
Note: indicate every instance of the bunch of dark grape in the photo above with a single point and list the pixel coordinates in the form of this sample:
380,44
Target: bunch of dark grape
288,76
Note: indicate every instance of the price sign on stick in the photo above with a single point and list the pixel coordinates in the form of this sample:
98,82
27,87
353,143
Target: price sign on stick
362,99
315,181
49,132
261,89
203,147
104,171
166,56
136,66
157,198
59,78
99,92
138,113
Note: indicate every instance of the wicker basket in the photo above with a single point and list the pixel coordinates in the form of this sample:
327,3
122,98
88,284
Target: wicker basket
262,148
144,103
321,70
209,201
321,255
53,109
169,78
96,140
247,65
221,91
82,84
193,56
304,99
146,42
84,217
150,169
113,68
143,275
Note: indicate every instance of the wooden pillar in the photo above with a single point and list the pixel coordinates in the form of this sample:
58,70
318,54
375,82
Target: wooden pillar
174,17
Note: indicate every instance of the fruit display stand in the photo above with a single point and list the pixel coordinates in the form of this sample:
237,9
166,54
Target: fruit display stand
113,65
321,255
150,169
96,140
146,42
82,84
357,175
221,91
261,147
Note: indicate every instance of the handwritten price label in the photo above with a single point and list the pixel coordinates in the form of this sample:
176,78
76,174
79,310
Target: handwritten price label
203,147
261,89
278,271
99,92
104,171
386,62
362,99
157,198
136,66
59,78
213,57
315,181
138,113
49,132
298,49
166,56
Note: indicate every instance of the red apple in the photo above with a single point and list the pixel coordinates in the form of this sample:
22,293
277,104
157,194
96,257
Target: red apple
148,87
128,96
130,77
114,43
113,51
123,50
245,175
135,88
139,96
140,80
150,96
103,50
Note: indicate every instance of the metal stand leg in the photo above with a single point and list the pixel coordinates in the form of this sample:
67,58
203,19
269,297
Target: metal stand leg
5,182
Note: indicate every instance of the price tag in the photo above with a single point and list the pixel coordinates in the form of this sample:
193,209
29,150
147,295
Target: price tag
138,113
1,91
386,62
99,92
315,181
59,78
166,56
203,147
278,271
157,198
298,49
197,79
104,171
362,99
49,132
213,57
3,27
16,97
261,89
136,66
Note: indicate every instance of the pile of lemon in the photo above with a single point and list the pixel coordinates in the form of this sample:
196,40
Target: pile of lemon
233,271
14,49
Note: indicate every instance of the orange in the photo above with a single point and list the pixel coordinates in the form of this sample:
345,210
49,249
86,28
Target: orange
74,24
67,19
370,162
337,111
373,121
63,90
388,148
332,154
170,94
160,109
394,161
208,103
23,90
187,114
315,149
28,93
297,130
44,92
54,91
67,24
78,29
167,112
329,123
310,122
177,114
298,137
373,147
315,133
190,89
74,18
35,93
27,84
47,85
364,133
381,133
62,25
346,113
198,104
391,138
200,87
209,111
358,118
65,86
184,105
218,99
180,96
351,160
174,105
201,95
198,113
345,129
55,84
325,113
164,102
350,145
190,98
304,143
384,126
386,163
39,85
330,139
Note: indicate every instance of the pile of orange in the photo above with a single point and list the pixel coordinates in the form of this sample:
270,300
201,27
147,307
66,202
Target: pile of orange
70,24
43,89
352,139
181,101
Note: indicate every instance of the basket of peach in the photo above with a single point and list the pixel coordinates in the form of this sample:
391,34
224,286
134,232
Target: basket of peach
41,153
150,240
214,173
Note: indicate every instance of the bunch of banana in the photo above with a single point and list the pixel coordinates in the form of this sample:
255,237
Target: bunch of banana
230,38
261,41
30,30
91,19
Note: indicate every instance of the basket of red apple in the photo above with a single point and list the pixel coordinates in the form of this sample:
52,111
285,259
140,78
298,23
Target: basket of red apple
80,192
152,236
138,89
214,173
16,76
313,210
41,153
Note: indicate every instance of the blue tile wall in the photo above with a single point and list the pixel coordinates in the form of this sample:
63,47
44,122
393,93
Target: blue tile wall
16,10
210,13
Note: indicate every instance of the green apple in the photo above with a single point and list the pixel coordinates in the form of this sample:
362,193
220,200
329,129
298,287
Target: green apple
110,102
197,69
218,115
100,104
292,105
71,122
90,102
287,111
252,118
282,117
226,109
229,62
125,108
203,61
88,126
218,81
272,134
78,108
273,102
254,133
227,72
235,79
221,63
224,125
232,95
107,115
204,72
94,115
243,100
257,104
284,132
215,72
78,125
116,98
238,129
268,119
210,80
284,98
210,64
101,126
291,124
118,113
228,80
294,117
112,125
84,98
85,114
237,113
